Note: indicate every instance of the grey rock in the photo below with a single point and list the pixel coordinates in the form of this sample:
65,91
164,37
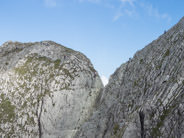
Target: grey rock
152,82
47,90
50,91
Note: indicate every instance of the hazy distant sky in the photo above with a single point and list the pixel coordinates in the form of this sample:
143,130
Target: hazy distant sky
108,32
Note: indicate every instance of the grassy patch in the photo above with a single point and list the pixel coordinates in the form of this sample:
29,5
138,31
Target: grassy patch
21,70
116,128
156,130
92,69
135,83
7,113
141,61
167,53
57,63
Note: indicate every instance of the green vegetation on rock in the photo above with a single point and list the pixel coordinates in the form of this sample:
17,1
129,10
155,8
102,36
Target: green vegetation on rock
116,128
167,53
7,110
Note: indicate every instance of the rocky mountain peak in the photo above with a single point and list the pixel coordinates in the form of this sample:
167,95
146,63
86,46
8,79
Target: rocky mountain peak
47,90
144,97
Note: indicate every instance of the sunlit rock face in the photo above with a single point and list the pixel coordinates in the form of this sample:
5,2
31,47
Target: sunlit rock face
145,96
46,90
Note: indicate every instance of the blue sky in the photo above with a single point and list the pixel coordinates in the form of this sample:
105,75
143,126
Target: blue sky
108,32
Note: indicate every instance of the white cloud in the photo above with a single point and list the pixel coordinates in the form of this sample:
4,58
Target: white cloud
129,12
154,12
130,2
104,80
92,1
50,3
127,7
117,16
132,8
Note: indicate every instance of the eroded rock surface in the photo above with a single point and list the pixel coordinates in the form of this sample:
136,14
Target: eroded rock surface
145,96
46,90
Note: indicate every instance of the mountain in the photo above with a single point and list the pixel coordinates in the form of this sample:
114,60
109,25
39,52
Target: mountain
145,96
50,91
47,90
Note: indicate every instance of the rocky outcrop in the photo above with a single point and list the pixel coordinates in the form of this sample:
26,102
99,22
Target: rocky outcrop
145,96
46,90
50,91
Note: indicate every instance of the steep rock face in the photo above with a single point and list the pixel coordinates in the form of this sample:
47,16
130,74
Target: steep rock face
145,96
46,90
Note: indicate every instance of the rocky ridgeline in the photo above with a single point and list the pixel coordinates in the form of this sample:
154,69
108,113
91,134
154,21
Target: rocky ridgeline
50,91
145,96
46,90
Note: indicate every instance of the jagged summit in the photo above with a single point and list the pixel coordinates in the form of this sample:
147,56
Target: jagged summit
144,97
167,40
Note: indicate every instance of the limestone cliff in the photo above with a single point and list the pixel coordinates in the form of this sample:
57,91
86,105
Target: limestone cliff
46,90
145,96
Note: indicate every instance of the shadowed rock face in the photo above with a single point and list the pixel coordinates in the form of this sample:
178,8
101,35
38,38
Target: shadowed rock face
46,90
145,96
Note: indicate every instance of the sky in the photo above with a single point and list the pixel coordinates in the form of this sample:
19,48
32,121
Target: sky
108,32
